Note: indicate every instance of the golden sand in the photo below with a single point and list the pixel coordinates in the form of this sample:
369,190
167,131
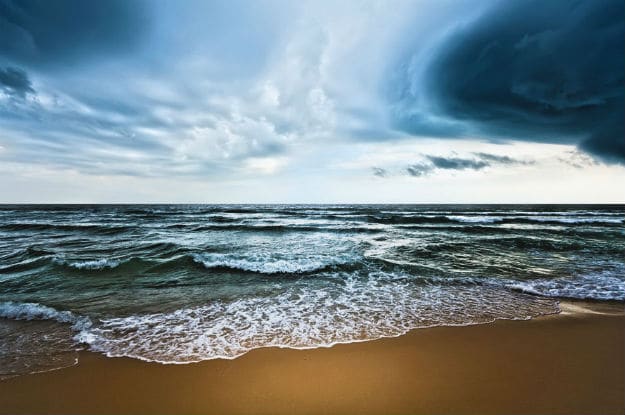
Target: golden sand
572,363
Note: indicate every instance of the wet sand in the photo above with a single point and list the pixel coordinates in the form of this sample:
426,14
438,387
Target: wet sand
571,363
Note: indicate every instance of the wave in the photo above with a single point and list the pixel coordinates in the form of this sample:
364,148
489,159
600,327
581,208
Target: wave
354,310
96,264
479,219
266,264
47,343
600,286
214,221
535,243
563,221
37,226
474,219
257,228
401,219
159,248
276,228
88,265
25,253
35,311
25,265
263,263
106,264
226,223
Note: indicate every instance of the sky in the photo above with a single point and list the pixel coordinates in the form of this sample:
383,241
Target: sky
361,101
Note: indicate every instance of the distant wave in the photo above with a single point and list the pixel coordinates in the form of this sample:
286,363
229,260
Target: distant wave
256,228
415,219
23,265
150,255
95,264
226,223
35,226
564,221
277,228
105,264
476,219
544,244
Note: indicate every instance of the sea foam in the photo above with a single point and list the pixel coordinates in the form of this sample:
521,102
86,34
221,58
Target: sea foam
92,264
354,310
598,286
272,263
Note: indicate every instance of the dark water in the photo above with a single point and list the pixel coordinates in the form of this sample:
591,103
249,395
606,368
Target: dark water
178,283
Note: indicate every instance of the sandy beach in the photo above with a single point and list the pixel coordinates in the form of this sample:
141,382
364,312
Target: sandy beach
571,363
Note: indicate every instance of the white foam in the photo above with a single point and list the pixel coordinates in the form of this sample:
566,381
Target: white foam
599,286
96,264
355,309
475,219
270,263
34,311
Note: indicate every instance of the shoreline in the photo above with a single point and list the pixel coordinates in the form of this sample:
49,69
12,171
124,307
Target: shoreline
571,362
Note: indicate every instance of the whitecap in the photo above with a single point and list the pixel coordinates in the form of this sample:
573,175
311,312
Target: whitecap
271,263
597,286
33,311
95,264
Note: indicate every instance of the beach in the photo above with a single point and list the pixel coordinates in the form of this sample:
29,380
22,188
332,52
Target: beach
569,363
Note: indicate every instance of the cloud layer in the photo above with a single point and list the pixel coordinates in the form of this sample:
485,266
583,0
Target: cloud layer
241,92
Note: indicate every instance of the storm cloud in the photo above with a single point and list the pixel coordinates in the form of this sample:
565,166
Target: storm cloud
533,71
62,31
14,81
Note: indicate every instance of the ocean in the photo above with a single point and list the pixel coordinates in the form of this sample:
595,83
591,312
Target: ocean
186,283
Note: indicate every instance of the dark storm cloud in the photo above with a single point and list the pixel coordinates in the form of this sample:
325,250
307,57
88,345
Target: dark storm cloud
537,71
61,31
14,81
